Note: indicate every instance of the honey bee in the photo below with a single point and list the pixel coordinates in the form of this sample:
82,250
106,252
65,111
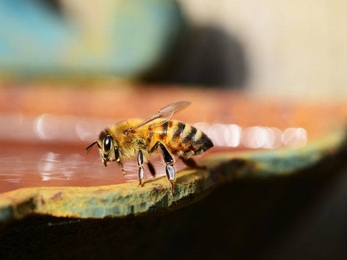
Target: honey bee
155,135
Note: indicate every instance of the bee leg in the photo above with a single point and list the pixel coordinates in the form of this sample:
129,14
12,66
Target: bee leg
169,161
122,167
140,164
119,162
151,168
190,162
170,173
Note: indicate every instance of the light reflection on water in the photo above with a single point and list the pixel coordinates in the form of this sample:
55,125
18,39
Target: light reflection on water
49,167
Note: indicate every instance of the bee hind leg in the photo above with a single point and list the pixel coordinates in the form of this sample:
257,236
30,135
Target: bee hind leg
190,162
169,161
151,168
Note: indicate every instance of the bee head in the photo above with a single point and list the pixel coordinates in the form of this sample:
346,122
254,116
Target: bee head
106,146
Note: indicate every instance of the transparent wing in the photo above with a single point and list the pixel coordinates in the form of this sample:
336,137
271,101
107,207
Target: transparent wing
165,112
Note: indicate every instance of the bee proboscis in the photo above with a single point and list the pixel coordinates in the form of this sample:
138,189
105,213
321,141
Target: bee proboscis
155,135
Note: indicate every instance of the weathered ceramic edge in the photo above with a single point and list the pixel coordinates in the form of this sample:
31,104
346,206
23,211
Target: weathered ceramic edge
129,199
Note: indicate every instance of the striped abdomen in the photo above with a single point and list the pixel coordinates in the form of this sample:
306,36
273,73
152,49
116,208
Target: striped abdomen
181,139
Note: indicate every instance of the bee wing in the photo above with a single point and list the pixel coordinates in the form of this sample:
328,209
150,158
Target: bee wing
165,112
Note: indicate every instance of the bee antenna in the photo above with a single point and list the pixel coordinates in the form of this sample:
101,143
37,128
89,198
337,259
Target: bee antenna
91,145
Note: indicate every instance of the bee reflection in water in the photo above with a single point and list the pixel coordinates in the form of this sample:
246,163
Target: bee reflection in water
156,135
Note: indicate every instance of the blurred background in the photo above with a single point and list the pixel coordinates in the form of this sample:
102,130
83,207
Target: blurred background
287,49
272,48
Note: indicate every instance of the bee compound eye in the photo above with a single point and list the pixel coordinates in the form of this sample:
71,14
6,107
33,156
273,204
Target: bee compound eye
107,143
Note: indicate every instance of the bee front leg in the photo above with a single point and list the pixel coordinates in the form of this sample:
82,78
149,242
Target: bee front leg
169,161
140,164
119,162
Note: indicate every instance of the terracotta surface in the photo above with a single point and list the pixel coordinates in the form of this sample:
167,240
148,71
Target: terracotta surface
45,128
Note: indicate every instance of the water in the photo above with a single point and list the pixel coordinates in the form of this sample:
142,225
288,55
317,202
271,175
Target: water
48,165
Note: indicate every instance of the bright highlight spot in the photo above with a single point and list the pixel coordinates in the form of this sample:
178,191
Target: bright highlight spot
295,137
47,126
232,135
254,137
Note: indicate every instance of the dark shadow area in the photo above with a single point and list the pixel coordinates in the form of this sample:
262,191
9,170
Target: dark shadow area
319,232
205,56
243,220
52,5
